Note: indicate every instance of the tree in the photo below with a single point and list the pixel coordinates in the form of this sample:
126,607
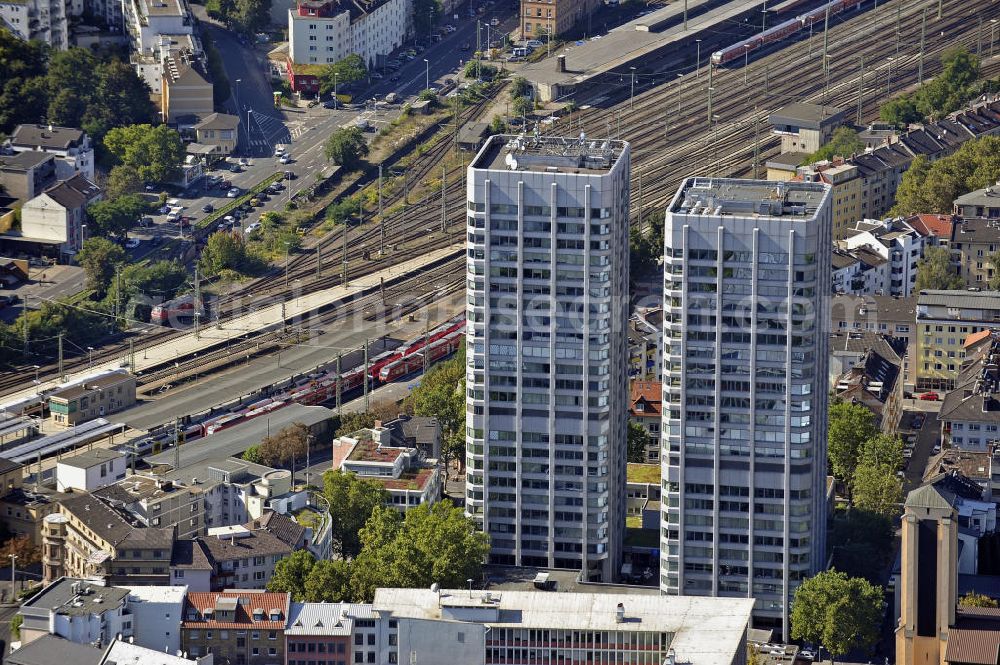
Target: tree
497,125
638,439
120,99
934,271
99,257
850,425
519,87
346,147
900,111
162,279
352,422
71,80
15,626
478,70
329,581
117,216
156,153
23,548
226,252
441,395
285,446
425,14
877,489
881,450
995,279
22,88
432,543
291,573
122,180
252,454
862,543
973,599
837,611
355,500
521,106
344,71
932,187
844,142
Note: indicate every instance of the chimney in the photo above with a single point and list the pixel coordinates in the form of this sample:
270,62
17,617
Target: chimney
560,63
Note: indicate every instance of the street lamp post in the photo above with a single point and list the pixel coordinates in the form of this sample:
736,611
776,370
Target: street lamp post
90,356
888,78
335,75
427,74
697,67
746,64
13,588
287,247
36,368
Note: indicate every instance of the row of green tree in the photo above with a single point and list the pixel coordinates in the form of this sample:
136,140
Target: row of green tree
379,547
933,186
865,459
243,16
72,88
947,92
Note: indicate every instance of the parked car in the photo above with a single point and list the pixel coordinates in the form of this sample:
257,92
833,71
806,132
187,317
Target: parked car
918,421
164,210
252,227
930,397
936,449
131,243
285,159
208,207
534,43
233,193
907,453
229,220
235,168
289,175
330,104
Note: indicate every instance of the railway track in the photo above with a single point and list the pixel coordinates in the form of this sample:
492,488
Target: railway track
669,131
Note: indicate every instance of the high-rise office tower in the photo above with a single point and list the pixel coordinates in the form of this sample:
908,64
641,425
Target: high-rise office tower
745,334
546,377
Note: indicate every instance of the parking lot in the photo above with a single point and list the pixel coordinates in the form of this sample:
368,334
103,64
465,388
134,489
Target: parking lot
921,434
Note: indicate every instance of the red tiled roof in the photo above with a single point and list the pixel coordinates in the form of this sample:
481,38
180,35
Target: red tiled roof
248,602
650,393
929,224
978,647
976,337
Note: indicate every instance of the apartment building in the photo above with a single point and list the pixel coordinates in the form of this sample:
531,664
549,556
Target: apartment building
746,348
78,611
147,22
243,557
846,185
944,320
886,315
220,131
236,626
982,203
974,241
40,20
88,539
875,380
899,244
25,175
322,632
72,147
155,502
408,478
542,19
645,339
327,31
547,354
57,217
646,410
970,414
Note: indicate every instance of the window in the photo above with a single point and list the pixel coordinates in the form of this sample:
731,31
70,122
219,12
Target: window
271,651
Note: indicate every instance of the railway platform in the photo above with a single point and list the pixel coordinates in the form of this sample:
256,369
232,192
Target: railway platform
259,320
634,43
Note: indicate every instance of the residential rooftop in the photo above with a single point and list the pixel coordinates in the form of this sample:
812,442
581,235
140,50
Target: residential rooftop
72,597
49,649
22,161
367,450
987,196
732,197
92,458
854,310
549,154
987,300
46,136
125,653
325,619
200,609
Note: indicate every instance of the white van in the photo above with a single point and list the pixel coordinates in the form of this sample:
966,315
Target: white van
280,149
520,52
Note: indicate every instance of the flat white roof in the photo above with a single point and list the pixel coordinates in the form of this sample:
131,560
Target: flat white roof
707,631
123,653
157,594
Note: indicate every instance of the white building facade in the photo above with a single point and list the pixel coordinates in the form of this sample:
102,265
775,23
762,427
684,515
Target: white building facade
41,20
898,243
747,282
547,385
326,32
